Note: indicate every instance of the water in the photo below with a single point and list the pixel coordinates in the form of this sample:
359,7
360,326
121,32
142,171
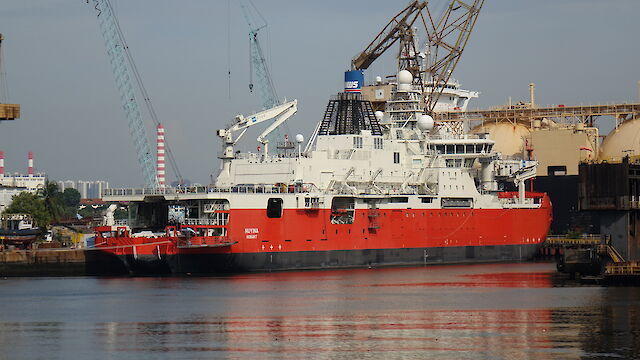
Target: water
495,311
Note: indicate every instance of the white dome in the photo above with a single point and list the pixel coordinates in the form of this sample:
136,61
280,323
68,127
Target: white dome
509,137
299,138
379,115
425,122
378,80
623,141
405,77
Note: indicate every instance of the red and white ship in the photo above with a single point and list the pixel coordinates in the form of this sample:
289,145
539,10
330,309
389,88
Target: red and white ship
367,190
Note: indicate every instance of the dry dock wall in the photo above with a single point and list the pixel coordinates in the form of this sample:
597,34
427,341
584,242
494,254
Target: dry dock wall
59,262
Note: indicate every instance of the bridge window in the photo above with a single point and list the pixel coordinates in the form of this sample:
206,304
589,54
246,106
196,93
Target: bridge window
357,142
396,158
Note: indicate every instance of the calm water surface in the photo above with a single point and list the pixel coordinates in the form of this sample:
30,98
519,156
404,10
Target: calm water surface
504,311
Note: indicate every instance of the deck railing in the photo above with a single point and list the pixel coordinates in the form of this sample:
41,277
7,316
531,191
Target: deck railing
247,188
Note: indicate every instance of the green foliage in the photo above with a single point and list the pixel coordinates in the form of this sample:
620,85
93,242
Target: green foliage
27,203
71,198
71,202
52,200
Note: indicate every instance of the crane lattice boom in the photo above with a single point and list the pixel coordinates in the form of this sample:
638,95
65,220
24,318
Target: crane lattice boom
258,63
446,40
393,31
446,37
126,73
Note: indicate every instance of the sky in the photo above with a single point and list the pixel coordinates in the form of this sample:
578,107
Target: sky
576,51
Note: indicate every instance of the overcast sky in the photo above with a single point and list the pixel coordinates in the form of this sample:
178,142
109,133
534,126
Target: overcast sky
576,51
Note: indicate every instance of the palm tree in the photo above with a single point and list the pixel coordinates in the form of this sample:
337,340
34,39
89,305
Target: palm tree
52,200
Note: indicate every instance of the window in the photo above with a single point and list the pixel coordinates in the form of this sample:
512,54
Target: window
396,158
377,143
357,142
426,200
274,208
557,170
399,200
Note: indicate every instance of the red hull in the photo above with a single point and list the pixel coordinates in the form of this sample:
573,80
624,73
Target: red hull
251,231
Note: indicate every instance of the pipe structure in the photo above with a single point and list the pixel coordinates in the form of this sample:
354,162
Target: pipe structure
532,94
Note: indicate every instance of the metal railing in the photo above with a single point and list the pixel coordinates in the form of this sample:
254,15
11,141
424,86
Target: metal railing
627,268
245,188
214,222
585,239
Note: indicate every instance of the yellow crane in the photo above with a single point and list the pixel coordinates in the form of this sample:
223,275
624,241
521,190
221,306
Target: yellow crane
7,111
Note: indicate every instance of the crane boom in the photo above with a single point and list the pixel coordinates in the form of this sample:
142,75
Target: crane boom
125,72
400,23
446,37
258,62
446,40
280,112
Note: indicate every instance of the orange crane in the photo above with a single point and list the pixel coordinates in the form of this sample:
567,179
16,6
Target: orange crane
7,111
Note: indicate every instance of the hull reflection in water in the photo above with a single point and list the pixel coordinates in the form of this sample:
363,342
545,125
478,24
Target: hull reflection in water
504,311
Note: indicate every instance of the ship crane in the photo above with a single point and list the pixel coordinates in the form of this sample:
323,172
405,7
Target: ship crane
399,24
280,113
446,38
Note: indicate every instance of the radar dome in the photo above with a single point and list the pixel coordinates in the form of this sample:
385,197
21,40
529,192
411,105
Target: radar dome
299,138
425,122
623,141
405,77
379,115
509,137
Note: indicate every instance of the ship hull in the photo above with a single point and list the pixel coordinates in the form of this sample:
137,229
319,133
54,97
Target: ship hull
308,260
306,239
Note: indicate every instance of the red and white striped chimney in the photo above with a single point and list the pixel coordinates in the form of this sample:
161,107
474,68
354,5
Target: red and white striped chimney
160,156
30,164
1,163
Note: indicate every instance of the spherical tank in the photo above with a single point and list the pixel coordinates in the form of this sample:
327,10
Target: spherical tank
623,141
509,137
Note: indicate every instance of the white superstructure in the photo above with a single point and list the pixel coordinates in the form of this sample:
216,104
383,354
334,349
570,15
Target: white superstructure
409,156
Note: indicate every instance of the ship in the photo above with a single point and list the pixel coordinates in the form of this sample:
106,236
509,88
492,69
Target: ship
368,189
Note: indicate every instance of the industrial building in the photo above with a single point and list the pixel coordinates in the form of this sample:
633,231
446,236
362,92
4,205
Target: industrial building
11,185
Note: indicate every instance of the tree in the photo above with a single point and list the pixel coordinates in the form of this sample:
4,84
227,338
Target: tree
52,200
71,198
71,201
27,203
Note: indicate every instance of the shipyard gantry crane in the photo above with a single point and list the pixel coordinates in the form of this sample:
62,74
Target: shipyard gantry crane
446,38
7,111
258,65
258,62
126,74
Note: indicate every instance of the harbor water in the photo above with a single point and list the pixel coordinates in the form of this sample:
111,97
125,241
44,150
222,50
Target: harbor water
487,311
